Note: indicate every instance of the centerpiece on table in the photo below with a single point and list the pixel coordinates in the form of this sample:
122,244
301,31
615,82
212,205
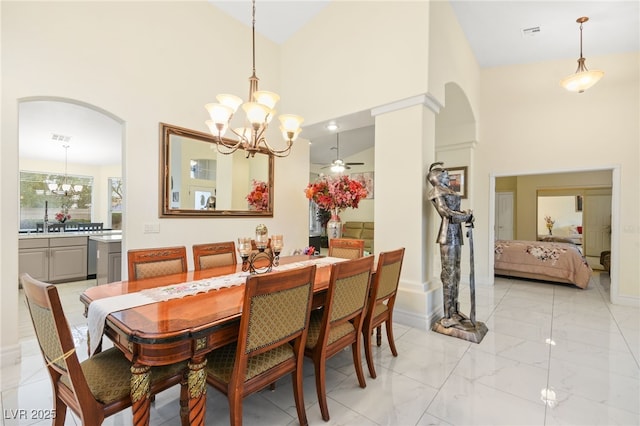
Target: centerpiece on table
335,194
258,198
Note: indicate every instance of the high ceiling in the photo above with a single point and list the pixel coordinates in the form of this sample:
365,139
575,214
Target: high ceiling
494,28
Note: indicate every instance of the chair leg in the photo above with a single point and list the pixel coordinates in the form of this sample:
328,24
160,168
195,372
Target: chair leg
61,412
184,400
357,362
368,353
320,367
379,335
235,409
297,380
392,342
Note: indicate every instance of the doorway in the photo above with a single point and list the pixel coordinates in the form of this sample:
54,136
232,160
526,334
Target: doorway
84,140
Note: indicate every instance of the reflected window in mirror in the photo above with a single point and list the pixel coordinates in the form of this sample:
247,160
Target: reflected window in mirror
199,181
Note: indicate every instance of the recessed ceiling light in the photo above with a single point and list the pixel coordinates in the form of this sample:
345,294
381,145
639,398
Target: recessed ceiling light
332,126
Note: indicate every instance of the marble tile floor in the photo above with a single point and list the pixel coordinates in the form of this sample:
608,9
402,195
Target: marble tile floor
554,355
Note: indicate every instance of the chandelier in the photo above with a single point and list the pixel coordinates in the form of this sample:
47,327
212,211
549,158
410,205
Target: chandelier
66,187
582,79
259,111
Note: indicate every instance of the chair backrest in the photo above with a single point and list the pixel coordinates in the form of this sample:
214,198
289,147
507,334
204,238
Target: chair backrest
214,254
71,226
155,262
275,311
55,338
347,294
346,248
387,277
93,226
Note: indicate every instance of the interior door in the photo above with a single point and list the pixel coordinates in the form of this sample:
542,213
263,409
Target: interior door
504,216
597,229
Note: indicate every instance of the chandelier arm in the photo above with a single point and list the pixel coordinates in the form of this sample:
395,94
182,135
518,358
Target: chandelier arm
276,152
229,149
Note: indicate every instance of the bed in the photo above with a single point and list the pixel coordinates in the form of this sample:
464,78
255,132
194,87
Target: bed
542,260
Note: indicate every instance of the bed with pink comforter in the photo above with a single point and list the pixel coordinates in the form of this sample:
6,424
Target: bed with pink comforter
542,260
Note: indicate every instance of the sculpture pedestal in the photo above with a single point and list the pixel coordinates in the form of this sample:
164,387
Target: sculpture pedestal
465,330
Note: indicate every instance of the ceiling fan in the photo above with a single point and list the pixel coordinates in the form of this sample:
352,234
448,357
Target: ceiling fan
338,165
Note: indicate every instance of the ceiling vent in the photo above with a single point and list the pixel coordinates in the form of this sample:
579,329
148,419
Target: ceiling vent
60,138
530,32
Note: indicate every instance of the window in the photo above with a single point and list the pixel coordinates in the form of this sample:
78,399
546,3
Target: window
115,203
35,198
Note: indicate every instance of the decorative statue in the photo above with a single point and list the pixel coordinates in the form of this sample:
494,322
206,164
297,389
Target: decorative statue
447,204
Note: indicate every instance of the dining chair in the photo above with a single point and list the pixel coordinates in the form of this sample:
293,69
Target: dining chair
155,262
212,255
273,329
346,248
91,226
339,323
97,387
382,298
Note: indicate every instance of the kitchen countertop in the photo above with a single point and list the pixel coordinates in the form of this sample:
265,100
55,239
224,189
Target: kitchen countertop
113,238
34,235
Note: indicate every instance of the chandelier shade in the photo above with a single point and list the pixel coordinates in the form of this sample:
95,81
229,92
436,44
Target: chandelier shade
582,79
259,110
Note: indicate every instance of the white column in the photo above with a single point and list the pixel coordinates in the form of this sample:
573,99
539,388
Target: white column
405,147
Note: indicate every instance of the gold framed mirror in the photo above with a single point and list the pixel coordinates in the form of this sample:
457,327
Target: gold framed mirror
198,181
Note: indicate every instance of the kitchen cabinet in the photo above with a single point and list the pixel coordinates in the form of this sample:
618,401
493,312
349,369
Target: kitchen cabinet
109,259
54,259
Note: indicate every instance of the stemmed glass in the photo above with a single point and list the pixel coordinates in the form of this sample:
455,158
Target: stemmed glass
244,248
277,243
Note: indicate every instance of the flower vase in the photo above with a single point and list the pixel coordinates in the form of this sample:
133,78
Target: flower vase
334,226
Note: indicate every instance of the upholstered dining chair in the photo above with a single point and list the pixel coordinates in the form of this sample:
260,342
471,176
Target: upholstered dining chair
273,329
382,298
214,254
339,323
346,248
155,262
97,387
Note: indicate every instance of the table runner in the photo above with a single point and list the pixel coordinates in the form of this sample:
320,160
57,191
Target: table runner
101,308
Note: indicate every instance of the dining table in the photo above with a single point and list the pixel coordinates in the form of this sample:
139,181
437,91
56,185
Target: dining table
182,328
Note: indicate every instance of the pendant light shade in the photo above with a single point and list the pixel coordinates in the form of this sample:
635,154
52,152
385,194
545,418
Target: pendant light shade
582,79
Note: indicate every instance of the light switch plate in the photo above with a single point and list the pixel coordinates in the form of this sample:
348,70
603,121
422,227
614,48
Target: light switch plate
152,228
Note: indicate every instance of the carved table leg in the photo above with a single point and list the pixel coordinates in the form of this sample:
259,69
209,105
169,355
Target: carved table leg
197,391
140,388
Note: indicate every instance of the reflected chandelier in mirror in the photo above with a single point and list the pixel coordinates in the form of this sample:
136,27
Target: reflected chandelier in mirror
197,181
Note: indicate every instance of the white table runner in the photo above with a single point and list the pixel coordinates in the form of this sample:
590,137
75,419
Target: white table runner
101,308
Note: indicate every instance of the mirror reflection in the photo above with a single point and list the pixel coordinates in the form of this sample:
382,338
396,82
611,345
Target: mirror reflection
197,180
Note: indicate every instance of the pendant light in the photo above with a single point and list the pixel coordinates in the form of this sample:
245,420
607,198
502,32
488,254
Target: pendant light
582,79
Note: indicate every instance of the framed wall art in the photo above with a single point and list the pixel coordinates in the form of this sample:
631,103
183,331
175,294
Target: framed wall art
458,180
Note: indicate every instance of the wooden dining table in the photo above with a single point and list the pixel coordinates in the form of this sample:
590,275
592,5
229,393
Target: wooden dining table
180,329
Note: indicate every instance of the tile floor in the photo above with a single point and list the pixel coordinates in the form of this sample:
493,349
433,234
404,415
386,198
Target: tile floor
554,355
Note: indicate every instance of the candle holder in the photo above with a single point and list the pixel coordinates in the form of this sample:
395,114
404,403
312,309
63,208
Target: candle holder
262,260
277,243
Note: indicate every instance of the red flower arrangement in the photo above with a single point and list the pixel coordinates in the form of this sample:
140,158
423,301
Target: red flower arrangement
62,217
258,198
339,192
